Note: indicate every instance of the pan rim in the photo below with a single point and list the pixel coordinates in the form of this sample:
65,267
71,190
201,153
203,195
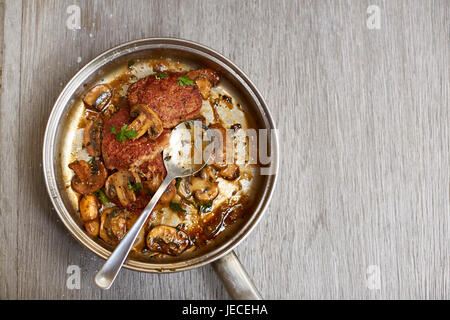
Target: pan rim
60,106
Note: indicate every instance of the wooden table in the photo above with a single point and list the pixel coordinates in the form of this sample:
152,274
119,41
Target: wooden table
360,95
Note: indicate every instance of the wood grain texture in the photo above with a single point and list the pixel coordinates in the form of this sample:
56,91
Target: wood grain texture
10,19
363,118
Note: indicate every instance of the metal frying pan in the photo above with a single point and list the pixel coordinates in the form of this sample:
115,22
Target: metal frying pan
219,253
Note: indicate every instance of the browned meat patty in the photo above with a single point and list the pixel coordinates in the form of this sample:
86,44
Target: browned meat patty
128,153
174,103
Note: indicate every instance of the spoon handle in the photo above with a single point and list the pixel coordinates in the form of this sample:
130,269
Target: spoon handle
105,277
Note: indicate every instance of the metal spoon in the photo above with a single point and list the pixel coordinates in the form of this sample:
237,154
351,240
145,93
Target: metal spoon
185,156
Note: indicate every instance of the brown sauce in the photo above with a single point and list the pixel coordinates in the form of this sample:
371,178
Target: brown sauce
201,221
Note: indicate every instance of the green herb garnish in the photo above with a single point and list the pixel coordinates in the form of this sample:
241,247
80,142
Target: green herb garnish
160,75
124,133
130,64
205,207
184,80
177,183
175,206
102,196
136,187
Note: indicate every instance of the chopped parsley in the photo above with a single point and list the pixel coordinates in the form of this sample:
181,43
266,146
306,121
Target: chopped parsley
136,187
160,75
175,206
189,202
177,183
102,196
205,207
184,80
130,64
124,133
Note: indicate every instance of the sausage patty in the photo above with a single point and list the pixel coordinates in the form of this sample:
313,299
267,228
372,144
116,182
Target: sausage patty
123,155
173,102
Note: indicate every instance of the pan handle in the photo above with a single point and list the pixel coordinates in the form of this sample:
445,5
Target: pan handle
235,278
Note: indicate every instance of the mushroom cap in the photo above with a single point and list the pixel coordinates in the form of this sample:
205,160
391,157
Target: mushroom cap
118,184
146,121
205,73
98,96
88,178
92,137
168,240
113,225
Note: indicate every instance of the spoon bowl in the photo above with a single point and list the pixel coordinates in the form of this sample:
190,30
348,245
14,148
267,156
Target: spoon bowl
188,149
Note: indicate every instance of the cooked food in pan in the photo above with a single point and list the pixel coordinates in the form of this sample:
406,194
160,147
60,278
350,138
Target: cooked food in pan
124,124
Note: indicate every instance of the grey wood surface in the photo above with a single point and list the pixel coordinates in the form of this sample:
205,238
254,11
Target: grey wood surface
363,117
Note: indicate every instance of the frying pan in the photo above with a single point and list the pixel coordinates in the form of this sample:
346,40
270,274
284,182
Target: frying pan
220,251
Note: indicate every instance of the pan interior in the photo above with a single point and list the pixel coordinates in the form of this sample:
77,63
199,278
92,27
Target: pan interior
70,107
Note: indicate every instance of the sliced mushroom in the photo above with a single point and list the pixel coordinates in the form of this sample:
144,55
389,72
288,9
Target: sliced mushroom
113,225
98,96
154,182
168,194
202,187
230,172
204,86
139,243
121,184
168,240
183,189
208,174
93,137
206,73
204,190
146,121
204,79
89,206
88,177
92,227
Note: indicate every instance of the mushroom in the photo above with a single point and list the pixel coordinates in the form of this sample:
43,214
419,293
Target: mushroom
204,190
203,187
121,184
88,177
204,79
92,138
139,243
146,121
113,225
230,172
183,189
168,240
98,96
92,227
152,183
108,111
204,86
208,174
89,207
168,194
